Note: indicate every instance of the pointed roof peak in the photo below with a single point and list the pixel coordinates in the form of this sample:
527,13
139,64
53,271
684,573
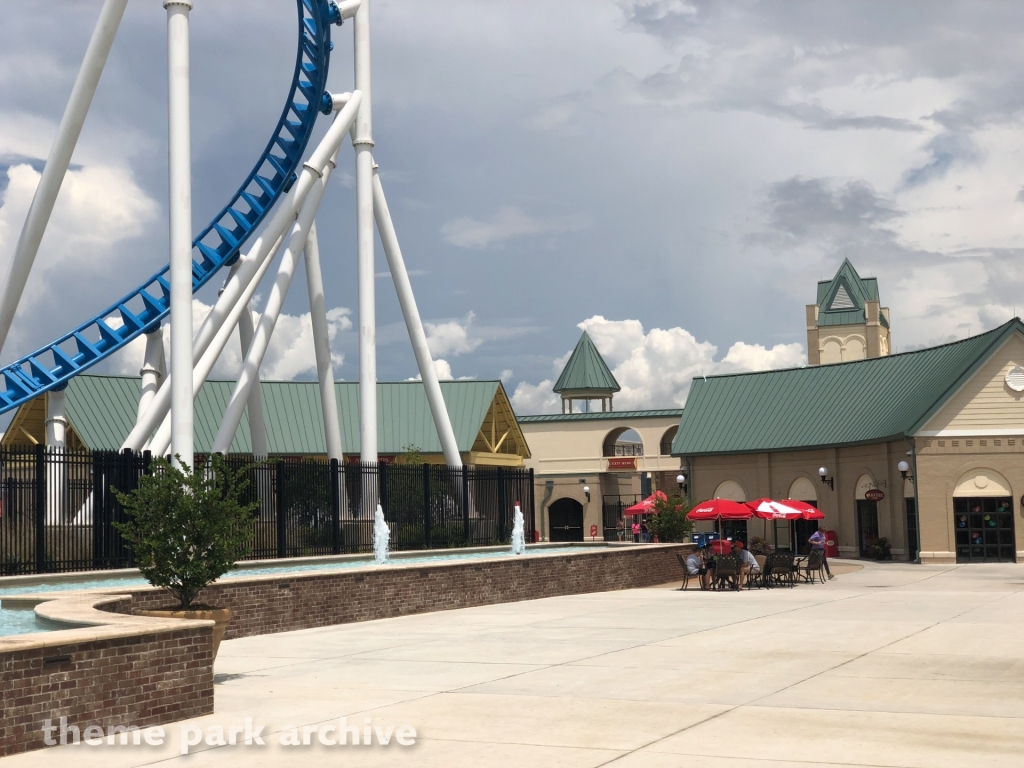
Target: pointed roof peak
586,371
847,290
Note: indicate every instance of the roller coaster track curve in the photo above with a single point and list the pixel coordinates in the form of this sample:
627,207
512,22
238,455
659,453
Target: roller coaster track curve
142,309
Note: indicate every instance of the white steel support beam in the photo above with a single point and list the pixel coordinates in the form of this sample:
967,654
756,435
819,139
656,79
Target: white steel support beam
180,209
154,368
249,374
322,346
257,423
417,336
363,143
252,265
57,163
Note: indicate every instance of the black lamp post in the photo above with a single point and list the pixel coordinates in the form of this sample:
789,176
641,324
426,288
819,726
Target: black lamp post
825,479
681,479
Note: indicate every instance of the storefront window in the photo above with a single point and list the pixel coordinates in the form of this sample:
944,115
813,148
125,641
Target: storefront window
984,530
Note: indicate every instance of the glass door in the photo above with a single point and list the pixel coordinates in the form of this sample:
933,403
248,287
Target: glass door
867,526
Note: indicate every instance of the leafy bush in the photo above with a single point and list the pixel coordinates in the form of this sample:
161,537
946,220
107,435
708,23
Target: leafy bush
882,549
187,527
669,522
758,546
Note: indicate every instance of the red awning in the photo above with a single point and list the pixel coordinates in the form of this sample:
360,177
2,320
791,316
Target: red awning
645,507
713,509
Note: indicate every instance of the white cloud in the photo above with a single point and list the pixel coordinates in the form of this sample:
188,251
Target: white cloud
289,355
507,223
451,337
655,368
506,375
535,398
443,370
98,207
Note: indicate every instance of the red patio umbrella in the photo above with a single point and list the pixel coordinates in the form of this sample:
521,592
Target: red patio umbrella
767,509
807,511
720,509
645,507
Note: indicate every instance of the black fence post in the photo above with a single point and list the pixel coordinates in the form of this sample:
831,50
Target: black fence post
465,502
382,487
502,505
335,507
426,506
532,522
40,508
282,529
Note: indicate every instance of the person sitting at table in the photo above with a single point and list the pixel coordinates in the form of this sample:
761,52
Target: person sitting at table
697,564
748,563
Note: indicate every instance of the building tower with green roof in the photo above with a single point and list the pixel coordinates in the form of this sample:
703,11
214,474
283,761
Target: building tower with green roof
586,377
848,321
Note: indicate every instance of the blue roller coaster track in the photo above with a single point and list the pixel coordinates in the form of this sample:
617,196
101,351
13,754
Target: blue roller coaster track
217,245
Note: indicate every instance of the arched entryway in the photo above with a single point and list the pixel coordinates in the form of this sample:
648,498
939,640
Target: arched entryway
867,516
983,518
565,518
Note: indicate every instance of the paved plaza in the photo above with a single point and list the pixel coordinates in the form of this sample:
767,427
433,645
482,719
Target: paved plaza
887,665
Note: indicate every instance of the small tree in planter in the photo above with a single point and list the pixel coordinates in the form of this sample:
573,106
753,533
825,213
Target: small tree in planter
187,528
669,522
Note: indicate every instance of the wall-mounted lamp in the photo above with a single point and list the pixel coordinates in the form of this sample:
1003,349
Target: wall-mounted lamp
904,468
586,490
681,479
825,479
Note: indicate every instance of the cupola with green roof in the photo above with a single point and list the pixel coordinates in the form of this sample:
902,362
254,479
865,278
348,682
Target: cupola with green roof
586,377
848,321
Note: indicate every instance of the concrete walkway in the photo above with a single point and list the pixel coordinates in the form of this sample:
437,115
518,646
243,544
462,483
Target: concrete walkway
889,665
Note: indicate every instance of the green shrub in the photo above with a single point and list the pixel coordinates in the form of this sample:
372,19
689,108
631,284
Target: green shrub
669,522
187,527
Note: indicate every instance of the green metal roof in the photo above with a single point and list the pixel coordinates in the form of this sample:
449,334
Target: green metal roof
863,401
841,300
586,370
601,416
102,410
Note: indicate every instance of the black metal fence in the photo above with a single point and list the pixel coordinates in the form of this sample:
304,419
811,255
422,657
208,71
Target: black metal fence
57,507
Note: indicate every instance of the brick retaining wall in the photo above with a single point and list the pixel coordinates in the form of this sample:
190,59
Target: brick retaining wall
304,601
142,680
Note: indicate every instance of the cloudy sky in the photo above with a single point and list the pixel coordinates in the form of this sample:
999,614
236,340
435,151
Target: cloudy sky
673,176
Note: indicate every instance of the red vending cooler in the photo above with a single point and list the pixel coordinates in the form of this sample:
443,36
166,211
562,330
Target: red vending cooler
831,544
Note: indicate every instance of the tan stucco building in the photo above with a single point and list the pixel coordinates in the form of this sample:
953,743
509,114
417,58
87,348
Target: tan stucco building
590,464
848,321
953,413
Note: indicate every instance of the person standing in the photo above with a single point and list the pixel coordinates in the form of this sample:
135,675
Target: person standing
636,531
817,541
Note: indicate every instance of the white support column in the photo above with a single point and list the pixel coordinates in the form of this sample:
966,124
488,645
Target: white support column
57,163
56,442
322,346
407,300
180,208
363,143
248,271
257,424
154,368
268,320
56,420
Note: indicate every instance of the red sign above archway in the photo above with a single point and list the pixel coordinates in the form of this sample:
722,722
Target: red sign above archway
874,494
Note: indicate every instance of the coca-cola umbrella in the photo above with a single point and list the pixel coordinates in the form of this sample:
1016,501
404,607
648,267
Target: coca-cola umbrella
720,509
645,507
787,509
807,511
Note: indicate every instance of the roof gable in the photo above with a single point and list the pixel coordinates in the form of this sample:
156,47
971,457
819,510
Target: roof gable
842,299
841,404
586,370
